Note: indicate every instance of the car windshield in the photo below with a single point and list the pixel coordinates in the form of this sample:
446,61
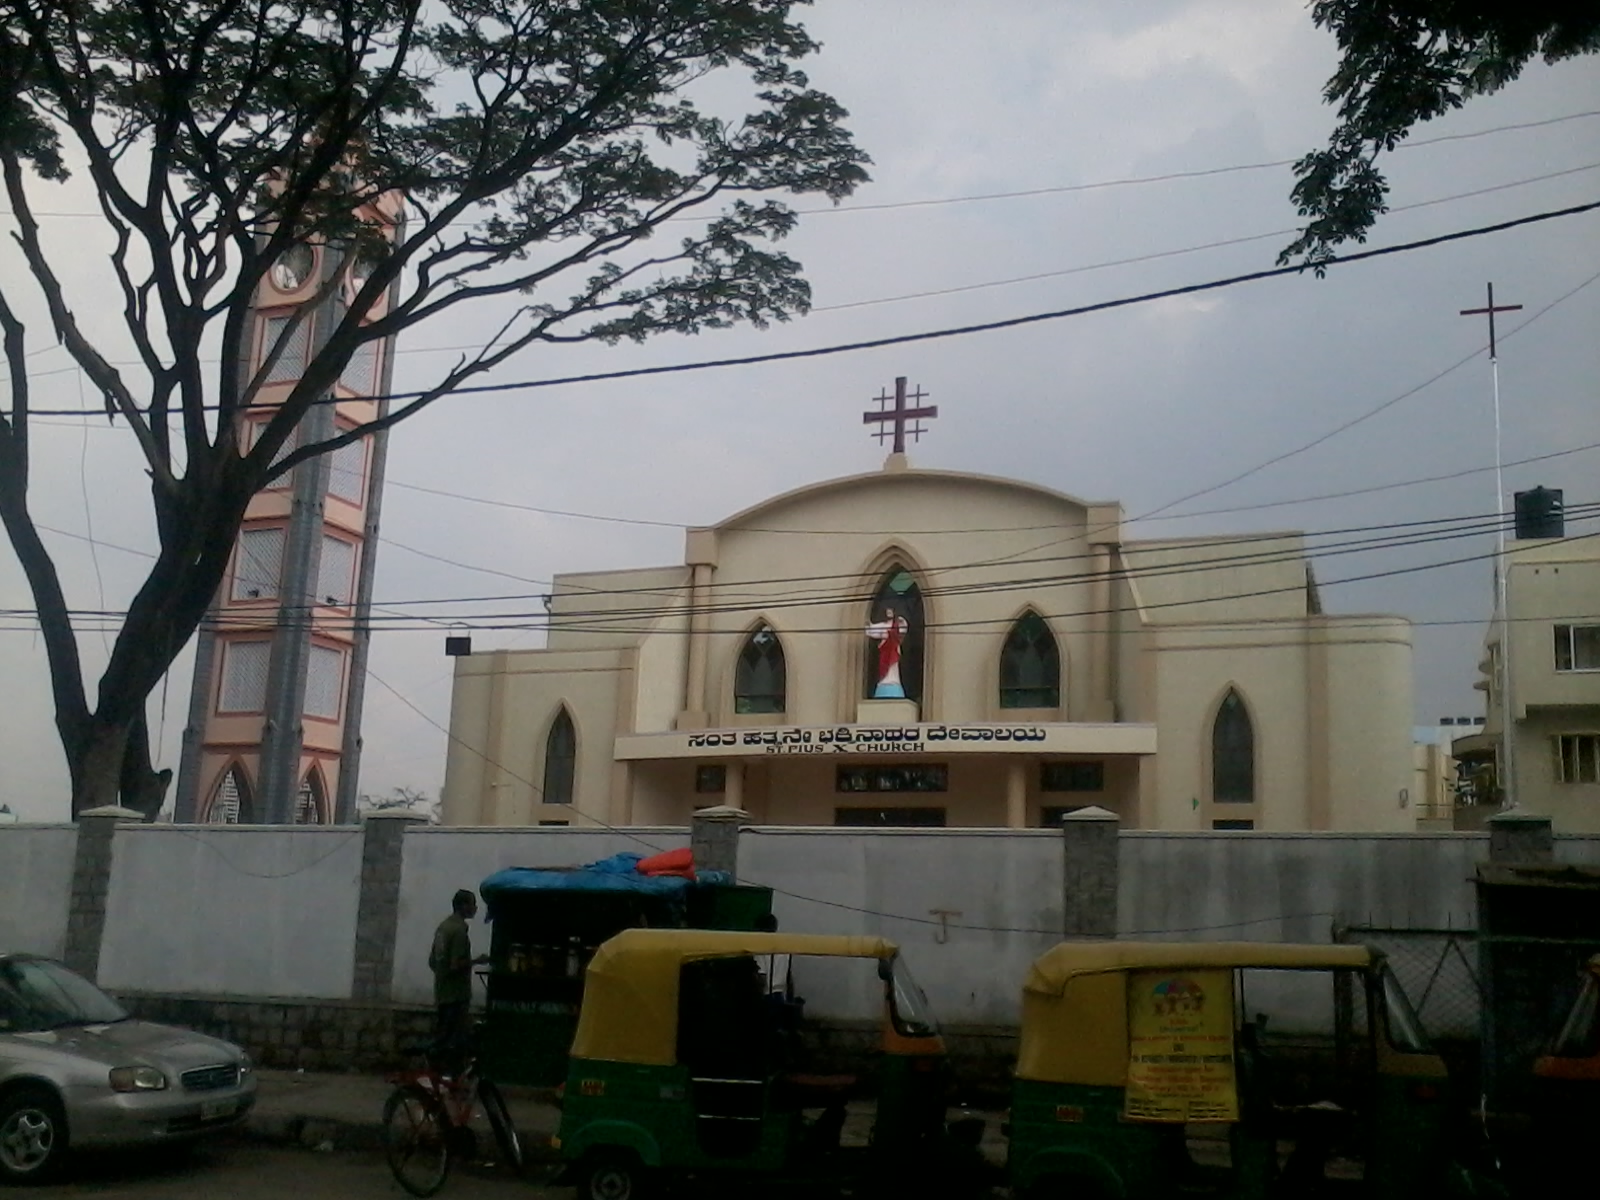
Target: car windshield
1580,1036
908,1005
1401,1022
36,995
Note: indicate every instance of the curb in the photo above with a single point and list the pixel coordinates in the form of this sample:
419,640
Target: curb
328,1135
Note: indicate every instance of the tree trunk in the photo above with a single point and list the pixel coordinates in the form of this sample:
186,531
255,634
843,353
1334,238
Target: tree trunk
96,764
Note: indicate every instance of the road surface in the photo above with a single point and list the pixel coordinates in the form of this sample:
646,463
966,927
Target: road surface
244,1170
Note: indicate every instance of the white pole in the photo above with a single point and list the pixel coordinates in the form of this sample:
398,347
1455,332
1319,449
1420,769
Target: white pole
1502,571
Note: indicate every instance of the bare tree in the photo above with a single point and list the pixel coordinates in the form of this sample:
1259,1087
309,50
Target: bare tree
538,146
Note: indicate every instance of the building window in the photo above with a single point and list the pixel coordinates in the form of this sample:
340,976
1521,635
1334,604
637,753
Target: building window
1578,758
882,818
760,678
1051,815
560,759
347,471
1578,647
711,778
244,677
894,655
1072,777
324,682
291,363
311,801
1030,665
360,374
1233,824
1233,753
230,803
913,777
257,564
336,572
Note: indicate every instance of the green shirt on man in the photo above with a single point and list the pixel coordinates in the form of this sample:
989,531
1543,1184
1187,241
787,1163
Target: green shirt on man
451,961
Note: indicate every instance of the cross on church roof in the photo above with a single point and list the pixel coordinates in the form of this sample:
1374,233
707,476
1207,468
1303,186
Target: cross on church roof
900,415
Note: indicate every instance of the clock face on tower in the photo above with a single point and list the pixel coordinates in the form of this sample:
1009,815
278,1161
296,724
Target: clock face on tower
293,268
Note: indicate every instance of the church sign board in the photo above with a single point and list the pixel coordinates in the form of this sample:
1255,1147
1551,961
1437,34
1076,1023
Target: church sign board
970,738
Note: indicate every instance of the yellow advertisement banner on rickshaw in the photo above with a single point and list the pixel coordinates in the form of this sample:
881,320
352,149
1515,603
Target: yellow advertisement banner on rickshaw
1180,1046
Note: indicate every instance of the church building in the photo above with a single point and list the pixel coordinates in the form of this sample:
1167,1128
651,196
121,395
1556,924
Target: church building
916,647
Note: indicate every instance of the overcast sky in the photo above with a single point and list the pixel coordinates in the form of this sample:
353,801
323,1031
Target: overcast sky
1142,404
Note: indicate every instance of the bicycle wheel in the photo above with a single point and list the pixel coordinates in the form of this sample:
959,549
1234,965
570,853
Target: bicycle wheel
505,1133
416,1140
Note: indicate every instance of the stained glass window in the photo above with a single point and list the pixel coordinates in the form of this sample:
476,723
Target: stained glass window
1030,665
1233,753
760,678
560,760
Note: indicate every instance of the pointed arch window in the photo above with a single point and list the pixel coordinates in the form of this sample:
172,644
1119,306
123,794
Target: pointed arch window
560,759
1233,753
230,803
760,679
311,801
895,638
1030,665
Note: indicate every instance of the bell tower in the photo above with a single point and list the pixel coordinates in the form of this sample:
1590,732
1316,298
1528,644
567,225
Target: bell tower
274,727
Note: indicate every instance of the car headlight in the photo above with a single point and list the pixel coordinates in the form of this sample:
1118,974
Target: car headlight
137,1079
245,1065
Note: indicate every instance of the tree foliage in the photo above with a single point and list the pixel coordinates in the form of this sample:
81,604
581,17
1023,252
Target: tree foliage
538,145
1403,62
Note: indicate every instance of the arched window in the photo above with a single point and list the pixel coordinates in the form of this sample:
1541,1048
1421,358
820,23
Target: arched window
560,759
1030,665
895,648
1233,753
760,680
311,801
230,803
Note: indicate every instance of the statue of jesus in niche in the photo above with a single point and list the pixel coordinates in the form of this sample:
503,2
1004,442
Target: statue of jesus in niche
890,635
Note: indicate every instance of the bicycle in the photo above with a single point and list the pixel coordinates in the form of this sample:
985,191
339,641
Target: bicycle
427,1123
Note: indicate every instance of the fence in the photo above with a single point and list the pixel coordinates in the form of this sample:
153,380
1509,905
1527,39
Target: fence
1438,968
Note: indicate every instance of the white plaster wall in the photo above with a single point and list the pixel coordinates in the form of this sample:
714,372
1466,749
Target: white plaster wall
232,911
1291,887
1370,753
889,883
35,887
437,861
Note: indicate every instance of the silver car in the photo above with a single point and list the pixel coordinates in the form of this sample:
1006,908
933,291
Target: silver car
76,1069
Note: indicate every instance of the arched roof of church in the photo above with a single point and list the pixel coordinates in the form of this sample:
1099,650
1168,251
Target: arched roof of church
891,478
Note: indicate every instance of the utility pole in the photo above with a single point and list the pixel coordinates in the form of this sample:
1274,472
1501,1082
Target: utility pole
1501,565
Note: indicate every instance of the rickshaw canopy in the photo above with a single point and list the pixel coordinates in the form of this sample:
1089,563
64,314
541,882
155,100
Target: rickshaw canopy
1075,1005
630,996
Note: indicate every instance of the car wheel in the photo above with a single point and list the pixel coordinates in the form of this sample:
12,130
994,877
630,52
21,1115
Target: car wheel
33,1135
614,1177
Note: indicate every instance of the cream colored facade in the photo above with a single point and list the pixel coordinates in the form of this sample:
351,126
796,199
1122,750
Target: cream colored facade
1150,637
1553,597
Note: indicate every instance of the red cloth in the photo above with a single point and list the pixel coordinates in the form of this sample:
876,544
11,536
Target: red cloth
669,862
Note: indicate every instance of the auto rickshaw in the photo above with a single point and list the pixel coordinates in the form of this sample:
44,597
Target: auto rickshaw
683,1066
1142,1073
1566,1090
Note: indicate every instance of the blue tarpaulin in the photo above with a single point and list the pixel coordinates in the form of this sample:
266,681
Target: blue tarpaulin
619,873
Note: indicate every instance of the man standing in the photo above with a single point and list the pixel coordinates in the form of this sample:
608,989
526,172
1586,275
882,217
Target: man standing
451,961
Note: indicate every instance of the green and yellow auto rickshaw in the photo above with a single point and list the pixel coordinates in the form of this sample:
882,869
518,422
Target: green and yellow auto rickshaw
1566,1092
685,1065
1147,1069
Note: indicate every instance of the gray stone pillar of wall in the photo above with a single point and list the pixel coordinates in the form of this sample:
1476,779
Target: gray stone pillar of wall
91,881
378,904
1089,876
714,838
1517,838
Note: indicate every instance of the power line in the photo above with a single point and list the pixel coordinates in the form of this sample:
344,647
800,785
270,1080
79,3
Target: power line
948,332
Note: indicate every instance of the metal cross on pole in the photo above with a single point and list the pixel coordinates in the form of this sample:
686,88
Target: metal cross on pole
900,415
1502,585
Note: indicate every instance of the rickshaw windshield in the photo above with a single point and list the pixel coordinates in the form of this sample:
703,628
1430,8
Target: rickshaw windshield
1580,1036
1401,1023
908,1004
